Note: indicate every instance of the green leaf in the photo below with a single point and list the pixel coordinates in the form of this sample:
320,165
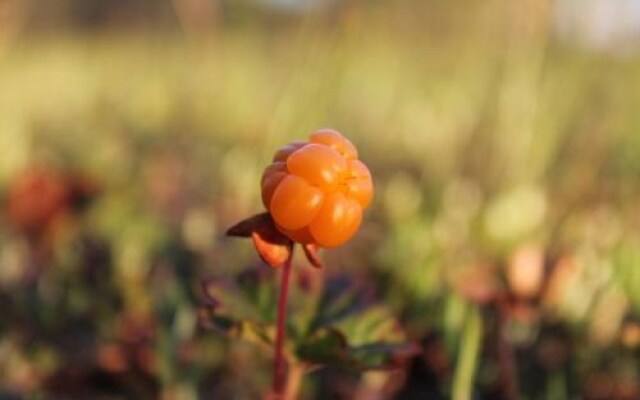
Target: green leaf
352,329
324,346
381,355
243,308
335,321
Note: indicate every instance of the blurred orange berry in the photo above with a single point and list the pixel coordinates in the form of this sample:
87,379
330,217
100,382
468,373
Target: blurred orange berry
316,191
525,271
563,277
35,198
38,197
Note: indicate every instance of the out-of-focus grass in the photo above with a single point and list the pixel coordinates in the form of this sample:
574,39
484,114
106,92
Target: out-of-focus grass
483,135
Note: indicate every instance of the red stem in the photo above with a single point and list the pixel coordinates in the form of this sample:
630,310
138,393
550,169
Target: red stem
279,367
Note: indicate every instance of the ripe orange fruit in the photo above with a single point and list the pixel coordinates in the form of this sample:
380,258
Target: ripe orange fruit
316,190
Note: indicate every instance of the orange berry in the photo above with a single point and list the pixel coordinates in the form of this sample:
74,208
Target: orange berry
276,167
295,203
271,177
316,191
336,141
269,185
302,235
319,165
284,152
359,183
337,221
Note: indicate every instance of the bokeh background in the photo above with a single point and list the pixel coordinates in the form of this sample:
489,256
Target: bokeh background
504,141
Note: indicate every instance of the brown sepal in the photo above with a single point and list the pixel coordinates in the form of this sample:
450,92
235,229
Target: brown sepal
272,246
311,251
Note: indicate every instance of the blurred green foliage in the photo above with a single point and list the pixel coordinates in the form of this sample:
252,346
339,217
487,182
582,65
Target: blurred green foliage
486,134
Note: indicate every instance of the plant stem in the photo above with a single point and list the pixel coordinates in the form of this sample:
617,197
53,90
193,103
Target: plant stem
294,381
279,367
468,356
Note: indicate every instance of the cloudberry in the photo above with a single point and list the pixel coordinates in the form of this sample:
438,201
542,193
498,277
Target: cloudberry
316,190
